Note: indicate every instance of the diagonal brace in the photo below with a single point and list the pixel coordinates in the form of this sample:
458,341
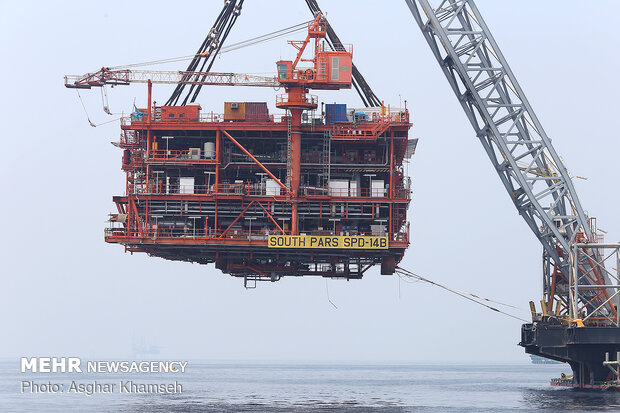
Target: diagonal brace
256,161
236,219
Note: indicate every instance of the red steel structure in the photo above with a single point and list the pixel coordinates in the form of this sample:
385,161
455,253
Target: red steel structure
202,187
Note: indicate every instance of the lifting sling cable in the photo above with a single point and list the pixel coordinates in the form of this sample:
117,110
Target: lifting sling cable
235,13
466,295
208,50
90,122
303,26
212,45
84,107
232,47
359,83
207,44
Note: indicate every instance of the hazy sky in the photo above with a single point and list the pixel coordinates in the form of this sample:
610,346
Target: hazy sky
66,292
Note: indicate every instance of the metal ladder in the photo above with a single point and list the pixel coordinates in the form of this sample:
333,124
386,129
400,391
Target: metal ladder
614,366
326,157
289,143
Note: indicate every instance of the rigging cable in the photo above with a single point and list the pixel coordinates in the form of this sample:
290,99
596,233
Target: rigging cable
266,37
88,117
104,100
329,299
218,45
468,296
84,107
225,13
235,46
359,83
106,122
208,50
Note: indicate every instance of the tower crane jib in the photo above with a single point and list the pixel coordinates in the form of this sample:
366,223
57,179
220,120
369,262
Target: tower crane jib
106,76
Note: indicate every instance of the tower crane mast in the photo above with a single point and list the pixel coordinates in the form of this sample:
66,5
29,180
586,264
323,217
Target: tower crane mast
576,280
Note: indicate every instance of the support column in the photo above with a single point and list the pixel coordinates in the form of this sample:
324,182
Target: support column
296,101
215,222
295,171
391,164
218,149
149,137
391,193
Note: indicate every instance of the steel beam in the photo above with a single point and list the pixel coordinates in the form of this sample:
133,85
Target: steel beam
256,161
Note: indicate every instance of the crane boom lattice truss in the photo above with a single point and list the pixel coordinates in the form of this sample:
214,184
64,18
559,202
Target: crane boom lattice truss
125,76
520,150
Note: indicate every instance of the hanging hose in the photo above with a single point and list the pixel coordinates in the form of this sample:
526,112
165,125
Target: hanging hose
328,298
466,295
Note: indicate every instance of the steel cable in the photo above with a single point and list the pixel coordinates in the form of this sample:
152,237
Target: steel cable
466,295
222,24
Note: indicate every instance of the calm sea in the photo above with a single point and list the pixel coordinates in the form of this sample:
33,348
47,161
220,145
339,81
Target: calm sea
258,387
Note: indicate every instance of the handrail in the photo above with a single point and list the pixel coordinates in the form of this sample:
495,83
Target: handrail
162,233
160,187
397,116
401,191
305,98
171,155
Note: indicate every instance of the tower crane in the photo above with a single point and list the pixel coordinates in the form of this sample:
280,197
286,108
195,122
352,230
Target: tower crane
583,329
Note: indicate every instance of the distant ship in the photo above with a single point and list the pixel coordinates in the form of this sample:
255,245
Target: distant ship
141,349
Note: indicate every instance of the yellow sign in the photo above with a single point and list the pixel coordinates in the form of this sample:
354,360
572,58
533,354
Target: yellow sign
337,241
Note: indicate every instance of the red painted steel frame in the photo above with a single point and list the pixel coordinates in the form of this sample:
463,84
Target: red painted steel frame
235,251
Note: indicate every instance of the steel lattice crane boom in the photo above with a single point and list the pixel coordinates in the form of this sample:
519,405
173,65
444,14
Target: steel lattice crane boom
113,77
575,277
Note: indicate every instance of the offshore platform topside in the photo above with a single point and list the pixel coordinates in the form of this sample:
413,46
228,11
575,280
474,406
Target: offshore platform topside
312,191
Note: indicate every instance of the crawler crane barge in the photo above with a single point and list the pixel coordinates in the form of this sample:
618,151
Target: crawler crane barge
260,195
579,320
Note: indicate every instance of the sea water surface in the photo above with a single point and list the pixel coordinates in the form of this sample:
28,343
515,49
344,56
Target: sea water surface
318,387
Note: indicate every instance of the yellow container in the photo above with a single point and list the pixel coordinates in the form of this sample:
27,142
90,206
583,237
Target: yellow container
234,111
